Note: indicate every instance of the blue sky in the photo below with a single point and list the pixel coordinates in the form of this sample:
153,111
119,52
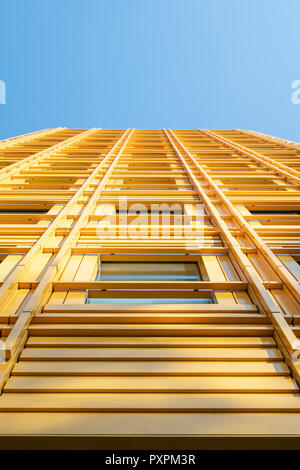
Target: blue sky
215,64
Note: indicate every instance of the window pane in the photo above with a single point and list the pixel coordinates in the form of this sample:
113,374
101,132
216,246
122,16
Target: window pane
148,301
24,211
271,212
148,271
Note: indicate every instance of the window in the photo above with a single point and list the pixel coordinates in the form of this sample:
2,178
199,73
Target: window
286,212
148,271
21,216
24,211
292,263
130,300
297,259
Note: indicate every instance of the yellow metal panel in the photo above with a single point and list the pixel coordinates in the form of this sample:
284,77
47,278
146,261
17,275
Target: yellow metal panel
113,366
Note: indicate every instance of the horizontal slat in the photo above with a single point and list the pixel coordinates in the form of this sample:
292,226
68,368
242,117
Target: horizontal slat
216,250
131,308
62,285
96,368
163,341
150,330
150,384
168,426
171,354
154,317
136,402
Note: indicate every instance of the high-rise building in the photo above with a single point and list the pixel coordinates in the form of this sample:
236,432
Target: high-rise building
149,289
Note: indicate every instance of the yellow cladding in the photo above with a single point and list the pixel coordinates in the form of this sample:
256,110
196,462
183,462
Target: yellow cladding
149,289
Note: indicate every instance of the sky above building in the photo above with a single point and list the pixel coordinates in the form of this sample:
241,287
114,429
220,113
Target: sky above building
150,64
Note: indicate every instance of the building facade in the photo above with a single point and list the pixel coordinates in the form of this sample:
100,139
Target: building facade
149,289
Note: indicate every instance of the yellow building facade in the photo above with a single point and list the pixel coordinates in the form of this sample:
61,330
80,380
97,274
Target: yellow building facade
150,290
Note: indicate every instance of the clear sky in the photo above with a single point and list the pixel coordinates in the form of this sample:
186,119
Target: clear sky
215,64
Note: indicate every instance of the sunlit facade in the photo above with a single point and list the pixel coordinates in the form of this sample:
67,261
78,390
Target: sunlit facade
150,290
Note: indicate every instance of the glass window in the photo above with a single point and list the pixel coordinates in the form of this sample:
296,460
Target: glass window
148,271
24,211
287,212
148,301
292,263
297,270
17,216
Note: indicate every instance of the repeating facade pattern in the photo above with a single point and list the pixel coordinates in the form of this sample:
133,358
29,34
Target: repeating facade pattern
149,288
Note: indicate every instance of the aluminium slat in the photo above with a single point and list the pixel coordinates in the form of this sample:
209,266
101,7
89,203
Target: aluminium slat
151,384
170,354
146,368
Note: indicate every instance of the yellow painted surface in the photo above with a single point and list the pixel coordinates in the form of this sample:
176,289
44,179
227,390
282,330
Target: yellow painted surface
91,356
